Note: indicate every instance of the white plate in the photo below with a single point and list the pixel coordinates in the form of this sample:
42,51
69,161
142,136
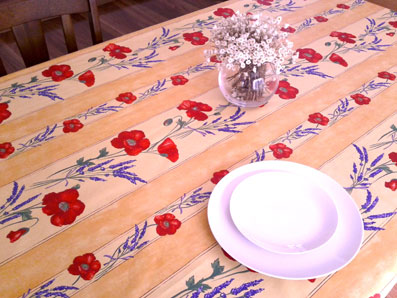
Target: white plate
334,254
283,212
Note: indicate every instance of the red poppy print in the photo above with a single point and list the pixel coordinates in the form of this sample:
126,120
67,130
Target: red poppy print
343,6
393,157
133,142
286,91
224,12
386,75
58,72
87,78
318,118
360,99
376,296
168,149
321,19
338,60
4,112
310,55
179,80
392,184
126,97
312,280
195,38
195,109
265,2
393,23
6,149
63,207
173,48
217,176
280,150
116,51
391,34
86,266
227,255
15,235
289,29
342,36
167,224
214,59
72,125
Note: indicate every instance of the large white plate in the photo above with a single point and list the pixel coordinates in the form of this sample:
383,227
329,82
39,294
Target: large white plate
327,258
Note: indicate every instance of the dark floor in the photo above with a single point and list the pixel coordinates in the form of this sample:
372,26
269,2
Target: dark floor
117,17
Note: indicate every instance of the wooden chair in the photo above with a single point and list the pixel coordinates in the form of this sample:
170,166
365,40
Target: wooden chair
24,18
391,4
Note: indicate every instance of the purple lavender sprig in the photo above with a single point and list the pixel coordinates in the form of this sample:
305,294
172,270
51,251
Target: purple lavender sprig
218,289
45,291
297,133
245,286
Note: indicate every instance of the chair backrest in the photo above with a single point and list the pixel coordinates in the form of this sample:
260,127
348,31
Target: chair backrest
24,18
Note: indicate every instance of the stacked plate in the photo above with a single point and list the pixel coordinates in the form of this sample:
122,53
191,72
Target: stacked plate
285,220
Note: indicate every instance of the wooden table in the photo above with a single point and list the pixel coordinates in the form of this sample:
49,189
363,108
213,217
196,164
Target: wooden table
109,155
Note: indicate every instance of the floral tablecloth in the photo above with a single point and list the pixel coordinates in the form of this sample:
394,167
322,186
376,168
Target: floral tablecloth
108,156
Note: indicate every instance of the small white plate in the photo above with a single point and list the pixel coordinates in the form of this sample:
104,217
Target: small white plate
283,212
333,255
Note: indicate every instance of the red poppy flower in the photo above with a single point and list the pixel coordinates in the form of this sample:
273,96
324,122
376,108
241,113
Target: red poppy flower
116,51
393,23
265,2
167,224
312,280
280,150
86,266
87,78
173,48
224,12
393,157
63,206
343,6
386,75
360,99
126,97
289,29
338,60
179,80
217,176
15,235
227,255
286,91
58,72
6,149
390,34
133,142
72,125
392,184
195,109
310,55
376,296
343,36
321,19
214,59
195,38
318,118
169,150
4,112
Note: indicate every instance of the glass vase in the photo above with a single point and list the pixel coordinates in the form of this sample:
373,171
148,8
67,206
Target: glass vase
245,87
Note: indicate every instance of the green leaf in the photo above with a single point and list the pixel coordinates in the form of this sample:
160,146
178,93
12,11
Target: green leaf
26,215
92,59
77,186
80,161
103,152
190,282
90,163
204,287
103,60
210,18
386,169
33,79
15,85
393,127
216,268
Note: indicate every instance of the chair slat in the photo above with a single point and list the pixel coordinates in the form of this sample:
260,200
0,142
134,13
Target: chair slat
96,32
31,42
68,32
2,69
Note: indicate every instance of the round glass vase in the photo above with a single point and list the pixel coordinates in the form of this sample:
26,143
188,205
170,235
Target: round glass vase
245,87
